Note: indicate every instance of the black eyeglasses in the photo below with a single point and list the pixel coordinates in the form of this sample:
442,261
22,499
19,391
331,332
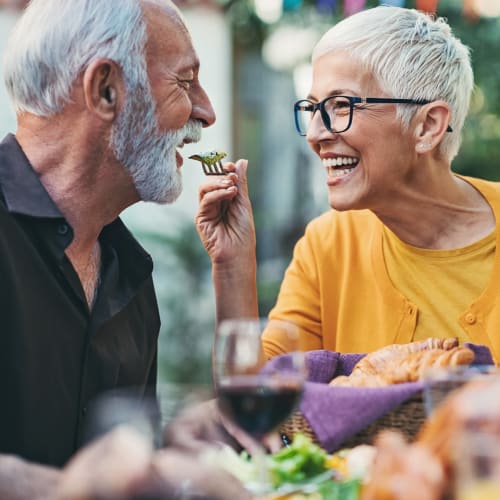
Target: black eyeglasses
336,111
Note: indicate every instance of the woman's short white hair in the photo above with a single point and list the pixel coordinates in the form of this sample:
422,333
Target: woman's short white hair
54,40
411,55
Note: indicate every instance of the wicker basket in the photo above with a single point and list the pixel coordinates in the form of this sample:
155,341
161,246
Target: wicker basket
407,418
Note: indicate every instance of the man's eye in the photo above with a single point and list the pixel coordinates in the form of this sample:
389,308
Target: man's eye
186,83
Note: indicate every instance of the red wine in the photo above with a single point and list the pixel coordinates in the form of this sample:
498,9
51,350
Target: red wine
257,406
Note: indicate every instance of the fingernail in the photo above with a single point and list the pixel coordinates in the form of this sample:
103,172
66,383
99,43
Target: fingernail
225,182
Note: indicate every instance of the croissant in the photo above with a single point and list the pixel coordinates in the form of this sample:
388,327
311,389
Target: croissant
405,362
413,365
378,361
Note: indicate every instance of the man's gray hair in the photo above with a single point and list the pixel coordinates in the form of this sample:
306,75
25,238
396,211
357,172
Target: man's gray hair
55,40
411,55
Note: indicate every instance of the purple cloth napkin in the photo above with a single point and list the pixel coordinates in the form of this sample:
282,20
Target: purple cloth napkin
335,414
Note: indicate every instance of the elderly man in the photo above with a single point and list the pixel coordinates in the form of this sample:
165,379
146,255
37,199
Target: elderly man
105,92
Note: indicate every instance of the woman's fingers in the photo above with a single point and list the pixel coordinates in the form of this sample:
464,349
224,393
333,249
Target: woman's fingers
236,177
241,171
217,184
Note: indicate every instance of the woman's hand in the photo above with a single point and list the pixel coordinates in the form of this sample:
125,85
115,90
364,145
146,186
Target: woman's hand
224,220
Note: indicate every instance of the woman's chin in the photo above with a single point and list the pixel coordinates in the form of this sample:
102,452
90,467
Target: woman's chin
341,202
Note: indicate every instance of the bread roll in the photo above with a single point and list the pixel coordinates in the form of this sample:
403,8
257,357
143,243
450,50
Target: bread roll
399,363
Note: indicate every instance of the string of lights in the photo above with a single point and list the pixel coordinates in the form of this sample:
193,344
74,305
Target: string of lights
270,11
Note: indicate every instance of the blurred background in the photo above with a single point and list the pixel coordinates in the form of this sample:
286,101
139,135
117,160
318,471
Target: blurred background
254,64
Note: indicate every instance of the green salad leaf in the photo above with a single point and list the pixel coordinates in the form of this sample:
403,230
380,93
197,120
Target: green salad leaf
345,490
210,157
298,462
301,466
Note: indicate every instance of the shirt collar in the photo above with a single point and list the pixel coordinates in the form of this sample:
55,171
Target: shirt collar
21,187
24,194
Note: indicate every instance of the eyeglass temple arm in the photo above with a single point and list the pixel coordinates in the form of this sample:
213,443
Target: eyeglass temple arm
398,101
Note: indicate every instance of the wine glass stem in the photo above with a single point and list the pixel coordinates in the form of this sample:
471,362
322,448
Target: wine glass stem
262,479
262,470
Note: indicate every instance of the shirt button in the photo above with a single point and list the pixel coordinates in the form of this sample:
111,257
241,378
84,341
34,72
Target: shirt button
62,229
470,318
410,310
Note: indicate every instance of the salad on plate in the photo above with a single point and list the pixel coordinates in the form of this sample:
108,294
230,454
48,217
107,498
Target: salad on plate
303,470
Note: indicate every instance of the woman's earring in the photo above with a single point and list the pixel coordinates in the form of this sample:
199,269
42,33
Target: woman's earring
424,145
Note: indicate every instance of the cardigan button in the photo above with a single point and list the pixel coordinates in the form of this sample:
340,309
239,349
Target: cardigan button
470,318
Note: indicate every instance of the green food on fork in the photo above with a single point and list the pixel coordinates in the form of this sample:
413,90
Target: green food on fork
211,162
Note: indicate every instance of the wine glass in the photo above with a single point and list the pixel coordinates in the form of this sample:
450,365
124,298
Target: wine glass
254,394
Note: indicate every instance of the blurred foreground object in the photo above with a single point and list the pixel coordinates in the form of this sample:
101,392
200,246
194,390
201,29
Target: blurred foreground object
440,382
474,407
477,465
429,466
122,465
404,472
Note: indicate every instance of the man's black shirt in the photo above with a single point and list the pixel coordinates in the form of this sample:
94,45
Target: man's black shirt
56,355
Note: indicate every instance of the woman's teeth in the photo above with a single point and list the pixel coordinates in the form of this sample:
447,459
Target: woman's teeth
340,160
337,173
332,165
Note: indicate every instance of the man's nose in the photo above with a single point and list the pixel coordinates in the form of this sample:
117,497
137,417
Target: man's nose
202,108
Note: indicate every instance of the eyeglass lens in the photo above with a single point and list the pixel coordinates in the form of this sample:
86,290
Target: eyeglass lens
336,114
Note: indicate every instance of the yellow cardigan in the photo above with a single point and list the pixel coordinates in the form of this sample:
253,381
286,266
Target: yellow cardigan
337,290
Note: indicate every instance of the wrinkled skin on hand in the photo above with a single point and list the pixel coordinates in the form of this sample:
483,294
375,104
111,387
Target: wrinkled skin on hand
203,426
197,428
123,466
224,220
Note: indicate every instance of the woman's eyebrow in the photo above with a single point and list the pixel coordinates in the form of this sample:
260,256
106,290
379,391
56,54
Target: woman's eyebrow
334,92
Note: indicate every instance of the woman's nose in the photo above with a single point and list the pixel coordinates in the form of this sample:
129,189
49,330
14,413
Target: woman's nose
317,130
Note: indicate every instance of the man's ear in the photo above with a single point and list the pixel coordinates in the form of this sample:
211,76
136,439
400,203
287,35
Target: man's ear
433,124
103,88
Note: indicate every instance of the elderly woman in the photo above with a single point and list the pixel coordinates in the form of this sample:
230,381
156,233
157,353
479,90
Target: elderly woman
408,249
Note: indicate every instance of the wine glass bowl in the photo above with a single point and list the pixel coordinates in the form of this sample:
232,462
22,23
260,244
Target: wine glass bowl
254,394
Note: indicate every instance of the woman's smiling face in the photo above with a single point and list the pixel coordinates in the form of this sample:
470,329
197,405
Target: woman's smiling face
368,163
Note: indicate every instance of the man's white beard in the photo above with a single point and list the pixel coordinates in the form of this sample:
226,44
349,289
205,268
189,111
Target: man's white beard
149,155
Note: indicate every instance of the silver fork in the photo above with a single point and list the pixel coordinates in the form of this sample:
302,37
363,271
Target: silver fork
215,168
